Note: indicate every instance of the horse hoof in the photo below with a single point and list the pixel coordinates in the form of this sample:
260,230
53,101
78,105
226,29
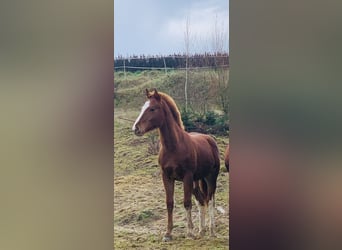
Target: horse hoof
167,238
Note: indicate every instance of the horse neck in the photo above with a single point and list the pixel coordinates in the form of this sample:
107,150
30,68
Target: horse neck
170,133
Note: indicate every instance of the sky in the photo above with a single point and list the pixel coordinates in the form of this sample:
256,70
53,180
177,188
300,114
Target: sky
157,27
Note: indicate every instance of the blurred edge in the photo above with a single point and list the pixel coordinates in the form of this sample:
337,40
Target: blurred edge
286,119
56,125
56,106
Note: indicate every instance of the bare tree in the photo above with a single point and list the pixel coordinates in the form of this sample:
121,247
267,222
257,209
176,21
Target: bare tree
220,79
187,50
219,38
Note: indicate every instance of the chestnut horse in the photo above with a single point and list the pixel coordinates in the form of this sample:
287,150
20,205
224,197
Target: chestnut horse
192,158
226,158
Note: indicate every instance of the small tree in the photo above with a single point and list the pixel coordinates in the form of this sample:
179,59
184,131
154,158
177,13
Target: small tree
187,49
220,79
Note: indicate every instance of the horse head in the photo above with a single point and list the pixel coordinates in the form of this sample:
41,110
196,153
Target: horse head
151,115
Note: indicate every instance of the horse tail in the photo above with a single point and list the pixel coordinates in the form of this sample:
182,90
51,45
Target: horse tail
226,158
200,191
215,150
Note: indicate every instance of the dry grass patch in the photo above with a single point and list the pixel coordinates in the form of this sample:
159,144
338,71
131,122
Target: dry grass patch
139,198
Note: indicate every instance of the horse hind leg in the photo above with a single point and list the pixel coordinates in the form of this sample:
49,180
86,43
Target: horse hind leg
200,202
211,182
201,218
211,210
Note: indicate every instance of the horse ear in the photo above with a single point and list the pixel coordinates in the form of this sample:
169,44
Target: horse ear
147,93
156,95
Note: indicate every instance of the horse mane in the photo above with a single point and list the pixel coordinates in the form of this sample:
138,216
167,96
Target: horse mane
173,108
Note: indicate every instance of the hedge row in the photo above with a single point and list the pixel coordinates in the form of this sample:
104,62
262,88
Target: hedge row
208,123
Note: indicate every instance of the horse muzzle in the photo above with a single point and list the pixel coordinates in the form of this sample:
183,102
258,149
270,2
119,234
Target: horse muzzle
138,132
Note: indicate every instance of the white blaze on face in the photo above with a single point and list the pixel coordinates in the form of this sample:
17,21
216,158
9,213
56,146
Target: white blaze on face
143,109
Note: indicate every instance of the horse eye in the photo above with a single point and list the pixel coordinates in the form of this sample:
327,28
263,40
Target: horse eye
152,109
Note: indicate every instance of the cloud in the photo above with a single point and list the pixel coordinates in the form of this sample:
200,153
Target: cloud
202,22
157,27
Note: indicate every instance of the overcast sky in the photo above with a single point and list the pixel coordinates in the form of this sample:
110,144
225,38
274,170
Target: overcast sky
156,27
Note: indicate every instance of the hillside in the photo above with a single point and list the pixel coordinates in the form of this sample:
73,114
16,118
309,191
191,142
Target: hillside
139,197
205,88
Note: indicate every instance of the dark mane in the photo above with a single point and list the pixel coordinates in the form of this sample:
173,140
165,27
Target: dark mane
173,107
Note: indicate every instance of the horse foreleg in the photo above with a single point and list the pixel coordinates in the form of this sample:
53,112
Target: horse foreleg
188,186
169,190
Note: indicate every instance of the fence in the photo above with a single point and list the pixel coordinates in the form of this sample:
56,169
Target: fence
180,62
202,87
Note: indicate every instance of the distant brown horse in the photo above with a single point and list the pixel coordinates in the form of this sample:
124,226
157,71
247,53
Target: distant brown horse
226,158
192,158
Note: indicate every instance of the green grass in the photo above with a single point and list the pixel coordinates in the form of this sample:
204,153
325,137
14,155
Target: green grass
203,91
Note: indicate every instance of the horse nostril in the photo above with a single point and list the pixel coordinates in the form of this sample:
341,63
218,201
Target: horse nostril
137,131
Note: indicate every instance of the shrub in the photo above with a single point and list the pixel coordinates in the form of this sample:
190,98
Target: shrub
210,122
221,126
211,118
188,120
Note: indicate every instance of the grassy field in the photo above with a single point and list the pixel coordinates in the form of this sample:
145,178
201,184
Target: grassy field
139,197
203,89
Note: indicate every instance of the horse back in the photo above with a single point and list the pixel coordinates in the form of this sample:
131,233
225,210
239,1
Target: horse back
207,152
198,154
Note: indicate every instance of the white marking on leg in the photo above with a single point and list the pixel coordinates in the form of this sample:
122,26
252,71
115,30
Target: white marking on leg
212,216
143,109
221,210
201,218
